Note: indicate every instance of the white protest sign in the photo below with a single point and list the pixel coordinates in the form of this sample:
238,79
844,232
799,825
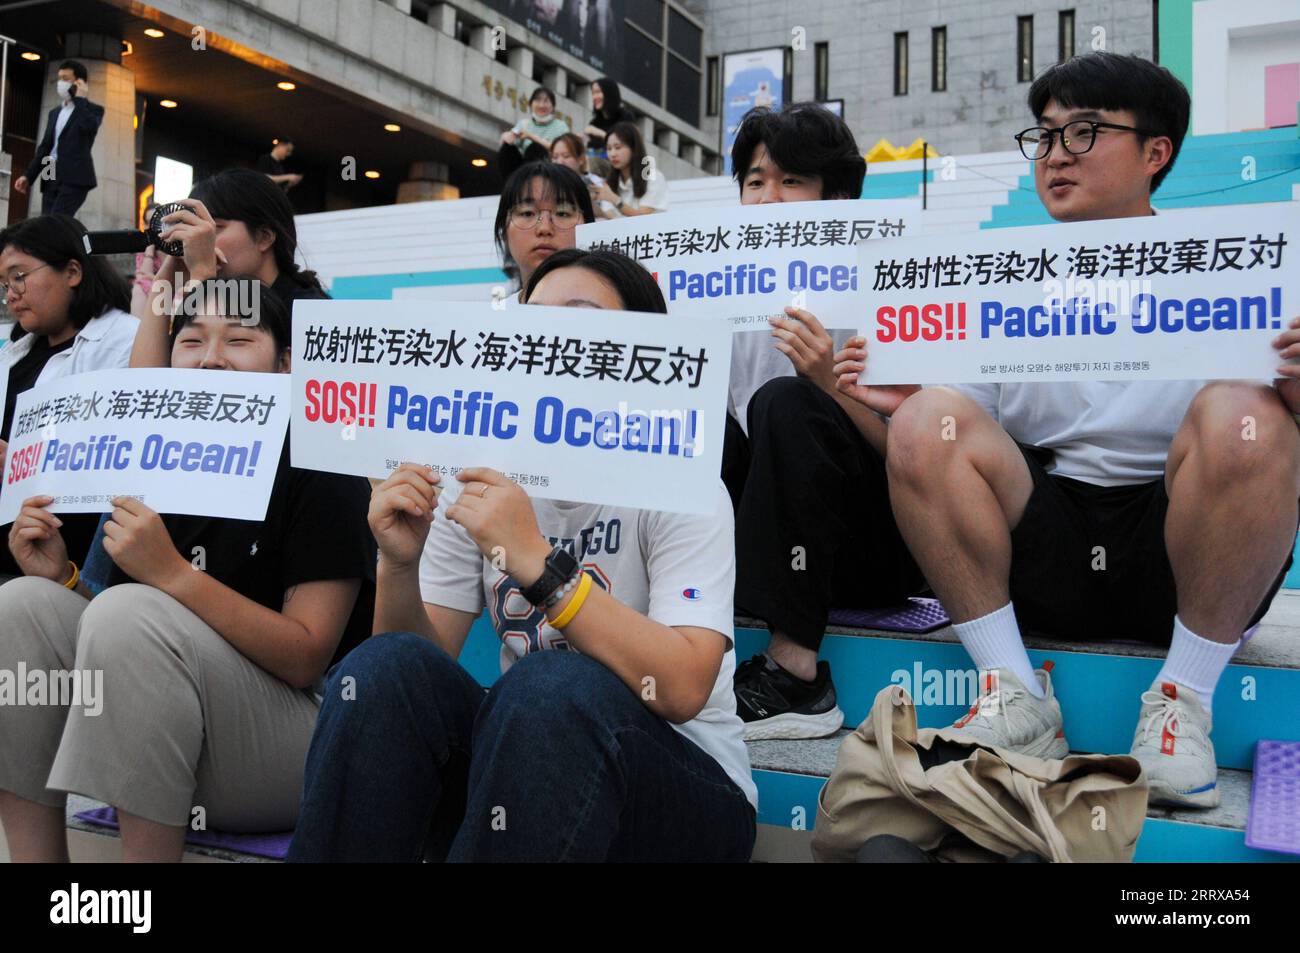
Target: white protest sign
571,403
196,442
1175,296
748,262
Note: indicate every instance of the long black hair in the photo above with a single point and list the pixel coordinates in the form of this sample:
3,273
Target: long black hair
613,107
559,184
630,136
803,139
243,195
56,240
635,286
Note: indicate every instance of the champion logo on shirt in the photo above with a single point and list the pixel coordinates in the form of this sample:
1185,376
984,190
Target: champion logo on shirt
692,594
253,551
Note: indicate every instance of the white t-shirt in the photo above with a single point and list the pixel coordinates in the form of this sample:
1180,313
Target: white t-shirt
656,192
677,569
1110,433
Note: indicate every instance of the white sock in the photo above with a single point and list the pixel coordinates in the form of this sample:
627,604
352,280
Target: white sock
994,641
1196,663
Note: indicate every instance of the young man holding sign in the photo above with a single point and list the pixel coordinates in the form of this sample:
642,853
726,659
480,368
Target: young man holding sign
808,456
1103,509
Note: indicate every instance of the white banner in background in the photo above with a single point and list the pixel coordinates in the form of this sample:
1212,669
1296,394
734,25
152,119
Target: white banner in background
1187,295
571,403
748,262
197,442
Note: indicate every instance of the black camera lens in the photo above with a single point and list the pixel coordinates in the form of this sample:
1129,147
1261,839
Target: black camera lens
168,246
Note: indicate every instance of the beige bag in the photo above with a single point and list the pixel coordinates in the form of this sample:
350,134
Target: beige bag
1081,808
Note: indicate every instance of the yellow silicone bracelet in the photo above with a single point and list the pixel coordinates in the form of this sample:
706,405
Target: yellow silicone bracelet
579,597
76,576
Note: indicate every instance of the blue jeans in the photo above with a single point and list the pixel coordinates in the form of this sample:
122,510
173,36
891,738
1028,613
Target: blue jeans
558,761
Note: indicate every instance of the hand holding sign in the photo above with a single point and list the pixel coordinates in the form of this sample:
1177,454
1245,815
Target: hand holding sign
401,511
850,363
808,345
1287,383
36,542
139,543
499,517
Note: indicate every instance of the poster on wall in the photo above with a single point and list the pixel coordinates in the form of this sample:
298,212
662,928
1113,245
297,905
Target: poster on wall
591,30
755,78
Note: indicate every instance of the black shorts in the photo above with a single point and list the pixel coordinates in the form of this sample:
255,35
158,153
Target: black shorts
1056,589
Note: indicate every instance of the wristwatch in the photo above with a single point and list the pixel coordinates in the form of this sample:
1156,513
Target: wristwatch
561,567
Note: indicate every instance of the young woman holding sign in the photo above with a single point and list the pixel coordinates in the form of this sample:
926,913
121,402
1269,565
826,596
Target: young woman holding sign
70,316
612,734
209,638
541,207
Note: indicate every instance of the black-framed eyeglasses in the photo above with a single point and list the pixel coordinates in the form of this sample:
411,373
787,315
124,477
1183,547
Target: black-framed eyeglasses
562,216
1077,137
19,281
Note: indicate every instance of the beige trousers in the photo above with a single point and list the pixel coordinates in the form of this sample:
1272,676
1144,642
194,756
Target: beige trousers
181,720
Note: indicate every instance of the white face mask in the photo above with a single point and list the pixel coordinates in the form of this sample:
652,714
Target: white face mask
543,120
64,88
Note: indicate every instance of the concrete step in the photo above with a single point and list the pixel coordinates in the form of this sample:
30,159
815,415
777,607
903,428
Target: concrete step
1258,696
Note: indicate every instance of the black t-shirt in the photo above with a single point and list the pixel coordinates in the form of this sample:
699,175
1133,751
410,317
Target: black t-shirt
23,374
290,291
315,529
599,120
270,165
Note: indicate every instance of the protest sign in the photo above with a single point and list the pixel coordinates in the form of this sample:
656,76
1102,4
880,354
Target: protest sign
571,403
1175,296
197,442
750,261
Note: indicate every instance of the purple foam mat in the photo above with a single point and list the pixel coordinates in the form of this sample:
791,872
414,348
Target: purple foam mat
916,615
272,846
1274,819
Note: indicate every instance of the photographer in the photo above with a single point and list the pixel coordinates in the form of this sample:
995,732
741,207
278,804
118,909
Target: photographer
70,317
236,224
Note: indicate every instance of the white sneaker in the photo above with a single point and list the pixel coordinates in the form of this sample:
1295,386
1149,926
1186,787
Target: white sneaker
1172,743
1006,715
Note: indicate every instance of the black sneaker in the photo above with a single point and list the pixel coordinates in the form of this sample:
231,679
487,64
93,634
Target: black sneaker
775,704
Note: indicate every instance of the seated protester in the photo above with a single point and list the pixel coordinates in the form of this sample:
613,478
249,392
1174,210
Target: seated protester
70,316
541,206
1197,524
634,186
569,151
806,470
529,140
608,112
611,734
236,224
207,678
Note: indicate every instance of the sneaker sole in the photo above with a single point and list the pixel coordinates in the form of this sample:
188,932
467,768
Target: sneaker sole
1162,793
790,726
1050,746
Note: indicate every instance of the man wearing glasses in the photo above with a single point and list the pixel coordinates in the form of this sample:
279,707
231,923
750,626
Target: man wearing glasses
1193,524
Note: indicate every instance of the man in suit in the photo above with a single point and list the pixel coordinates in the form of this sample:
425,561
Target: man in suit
69,133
